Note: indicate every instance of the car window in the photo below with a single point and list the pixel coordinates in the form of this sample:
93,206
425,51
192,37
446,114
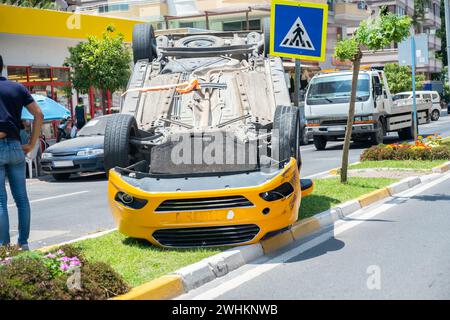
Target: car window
435,96
95,127
427,96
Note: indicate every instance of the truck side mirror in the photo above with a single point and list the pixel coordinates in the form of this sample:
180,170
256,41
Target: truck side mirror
378,89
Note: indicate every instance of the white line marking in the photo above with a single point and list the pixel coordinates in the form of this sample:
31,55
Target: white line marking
258,270
54,197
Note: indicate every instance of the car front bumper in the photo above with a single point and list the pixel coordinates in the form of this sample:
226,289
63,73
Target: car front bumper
202,226
79,164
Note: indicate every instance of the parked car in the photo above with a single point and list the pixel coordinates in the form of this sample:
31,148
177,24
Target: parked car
433,96
81,154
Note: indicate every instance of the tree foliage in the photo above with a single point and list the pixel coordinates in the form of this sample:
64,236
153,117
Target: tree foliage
41,4
102,62
400,78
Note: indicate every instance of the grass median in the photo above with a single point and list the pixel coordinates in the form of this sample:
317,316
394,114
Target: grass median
330,192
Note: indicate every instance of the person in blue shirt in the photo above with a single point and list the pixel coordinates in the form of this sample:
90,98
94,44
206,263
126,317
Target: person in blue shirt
13,97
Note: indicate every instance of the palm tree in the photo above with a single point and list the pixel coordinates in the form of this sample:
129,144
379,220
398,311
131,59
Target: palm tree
41,4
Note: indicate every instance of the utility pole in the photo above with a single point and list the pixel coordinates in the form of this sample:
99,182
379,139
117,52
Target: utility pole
413,68
447,35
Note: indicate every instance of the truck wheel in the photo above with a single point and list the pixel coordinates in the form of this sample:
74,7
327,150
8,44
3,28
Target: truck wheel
377,137
117,148
143,42
286,134
304,138
266,30
320,142
435,114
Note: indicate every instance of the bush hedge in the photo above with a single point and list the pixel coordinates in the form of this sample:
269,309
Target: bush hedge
27,276
381,152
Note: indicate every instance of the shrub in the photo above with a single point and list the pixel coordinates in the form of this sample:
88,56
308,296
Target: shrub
27,278
382,152
99,281
34,276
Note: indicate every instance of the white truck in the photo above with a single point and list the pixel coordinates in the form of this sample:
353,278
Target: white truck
327,103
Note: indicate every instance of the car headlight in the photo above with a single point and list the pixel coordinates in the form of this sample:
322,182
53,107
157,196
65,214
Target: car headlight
90,152
46,155
280,192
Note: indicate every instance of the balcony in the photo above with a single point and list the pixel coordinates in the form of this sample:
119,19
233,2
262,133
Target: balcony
349,14
380,57
434,42
431,20
434,66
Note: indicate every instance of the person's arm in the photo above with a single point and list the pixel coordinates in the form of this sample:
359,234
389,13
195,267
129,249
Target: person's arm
35,110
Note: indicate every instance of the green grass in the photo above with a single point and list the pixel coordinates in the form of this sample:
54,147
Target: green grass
399,164
330,192
137,260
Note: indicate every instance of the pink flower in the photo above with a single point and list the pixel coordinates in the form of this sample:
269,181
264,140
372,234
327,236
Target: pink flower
64,267
50,255
60,252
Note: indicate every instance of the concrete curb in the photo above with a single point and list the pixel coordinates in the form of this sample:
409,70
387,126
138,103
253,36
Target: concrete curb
442,168
165,287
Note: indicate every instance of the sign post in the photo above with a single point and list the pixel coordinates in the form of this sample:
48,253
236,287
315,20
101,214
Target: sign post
413,67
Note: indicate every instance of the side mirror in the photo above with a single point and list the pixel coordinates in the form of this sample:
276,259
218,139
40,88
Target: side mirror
378,89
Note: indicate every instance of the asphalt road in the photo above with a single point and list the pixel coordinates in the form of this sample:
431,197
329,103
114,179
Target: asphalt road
396,250
63,211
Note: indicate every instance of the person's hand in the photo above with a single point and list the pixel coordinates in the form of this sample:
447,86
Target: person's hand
27,148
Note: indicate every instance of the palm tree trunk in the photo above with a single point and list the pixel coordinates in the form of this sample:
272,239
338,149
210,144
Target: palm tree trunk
351,115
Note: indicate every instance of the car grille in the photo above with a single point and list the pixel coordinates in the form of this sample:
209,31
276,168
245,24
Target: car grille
206,236
64,154
334,122
214,203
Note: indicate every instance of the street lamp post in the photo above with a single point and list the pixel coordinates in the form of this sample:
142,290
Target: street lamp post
447,34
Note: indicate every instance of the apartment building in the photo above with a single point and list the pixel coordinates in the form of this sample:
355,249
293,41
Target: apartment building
429,24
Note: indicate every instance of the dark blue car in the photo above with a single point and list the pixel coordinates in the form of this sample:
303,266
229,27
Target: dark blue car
81,154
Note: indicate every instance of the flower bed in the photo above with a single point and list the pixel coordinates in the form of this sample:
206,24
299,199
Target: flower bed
429,148
64,274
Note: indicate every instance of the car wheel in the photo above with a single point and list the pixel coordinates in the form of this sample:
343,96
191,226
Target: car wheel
118,150
286,134
61,176
320,142
435,114
143,42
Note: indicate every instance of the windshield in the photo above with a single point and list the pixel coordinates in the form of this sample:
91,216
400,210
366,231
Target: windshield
336,89
400,96
95,127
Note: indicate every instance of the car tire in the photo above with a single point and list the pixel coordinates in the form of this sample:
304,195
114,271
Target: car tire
320,142
286,134
143,42
61,176
407,133
212,40
435,114
117,148
304,138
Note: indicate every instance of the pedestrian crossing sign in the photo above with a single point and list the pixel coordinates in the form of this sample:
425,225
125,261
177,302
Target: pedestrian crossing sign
298,30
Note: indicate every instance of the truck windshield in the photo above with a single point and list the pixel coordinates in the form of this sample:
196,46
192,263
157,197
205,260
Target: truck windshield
337,89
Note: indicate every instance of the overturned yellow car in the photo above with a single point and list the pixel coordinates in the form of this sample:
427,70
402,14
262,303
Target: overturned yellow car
206,148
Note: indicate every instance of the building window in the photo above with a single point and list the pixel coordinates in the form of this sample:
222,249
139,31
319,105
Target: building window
400,11
186,24
242,25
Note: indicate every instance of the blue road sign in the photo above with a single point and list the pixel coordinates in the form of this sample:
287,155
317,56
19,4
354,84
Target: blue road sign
298,30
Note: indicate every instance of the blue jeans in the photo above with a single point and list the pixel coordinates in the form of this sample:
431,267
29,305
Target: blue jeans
12,166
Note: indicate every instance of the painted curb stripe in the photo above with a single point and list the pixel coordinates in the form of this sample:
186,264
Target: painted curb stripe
165,287
374,196
277,242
